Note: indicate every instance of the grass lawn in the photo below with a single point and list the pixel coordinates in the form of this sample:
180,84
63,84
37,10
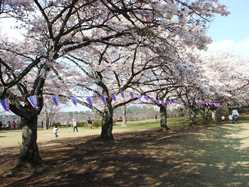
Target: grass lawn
213,156
12,138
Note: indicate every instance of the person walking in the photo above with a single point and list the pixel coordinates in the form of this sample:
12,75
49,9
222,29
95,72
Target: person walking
235,115
90,123
75,127
13,124
9,125
56,131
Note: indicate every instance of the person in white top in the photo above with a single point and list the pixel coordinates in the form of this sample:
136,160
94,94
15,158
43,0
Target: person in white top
75,128
56,131
223,118
235,115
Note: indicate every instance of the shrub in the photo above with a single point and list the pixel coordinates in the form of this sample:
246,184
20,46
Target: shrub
81,124
97,123
57,124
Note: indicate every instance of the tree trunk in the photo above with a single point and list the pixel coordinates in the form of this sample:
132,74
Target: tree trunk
192,117
47,123
124,116
29,152
213,115
204,114
107,125
163,117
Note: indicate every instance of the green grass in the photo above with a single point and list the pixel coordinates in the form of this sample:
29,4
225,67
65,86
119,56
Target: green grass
214,156
244,118
12,138
152,124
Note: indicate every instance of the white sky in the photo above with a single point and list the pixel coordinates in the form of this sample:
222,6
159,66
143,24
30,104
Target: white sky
8,28
237,48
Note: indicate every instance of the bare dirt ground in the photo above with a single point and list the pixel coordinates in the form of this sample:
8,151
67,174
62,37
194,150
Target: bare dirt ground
214,156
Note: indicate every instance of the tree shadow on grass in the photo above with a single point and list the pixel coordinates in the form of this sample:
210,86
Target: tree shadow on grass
209,157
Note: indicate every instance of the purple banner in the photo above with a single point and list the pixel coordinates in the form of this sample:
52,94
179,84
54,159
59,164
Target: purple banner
33,101
114,97
74,100
211,104
89,102
122,94
139,97
103,98
5,104
146,97
170,101
131,95
56,100
158,101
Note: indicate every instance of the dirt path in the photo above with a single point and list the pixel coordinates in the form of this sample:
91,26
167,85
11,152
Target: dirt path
217,156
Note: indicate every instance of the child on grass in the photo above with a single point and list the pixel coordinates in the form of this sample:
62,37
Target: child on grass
55,131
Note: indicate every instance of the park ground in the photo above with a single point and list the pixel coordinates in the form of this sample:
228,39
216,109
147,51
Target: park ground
141,155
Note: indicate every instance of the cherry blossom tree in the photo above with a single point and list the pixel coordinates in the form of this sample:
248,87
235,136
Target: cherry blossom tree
55,29
48,32
193,87
228,78
14,8
164,85
109,75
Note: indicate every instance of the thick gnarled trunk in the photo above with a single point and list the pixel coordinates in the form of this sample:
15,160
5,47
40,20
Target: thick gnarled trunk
107,125
29,152
163,117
